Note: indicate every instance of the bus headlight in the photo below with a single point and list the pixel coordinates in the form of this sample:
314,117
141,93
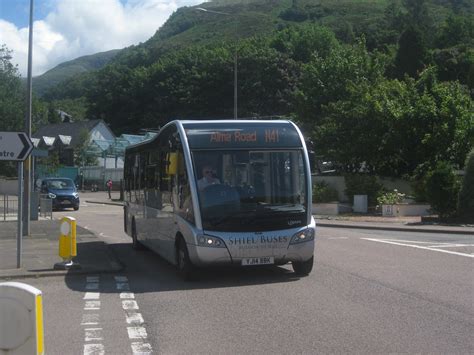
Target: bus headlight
208,241
303,236
51,196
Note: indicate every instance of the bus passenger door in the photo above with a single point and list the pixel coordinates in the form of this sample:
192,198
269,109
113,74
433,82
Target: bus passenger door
165,227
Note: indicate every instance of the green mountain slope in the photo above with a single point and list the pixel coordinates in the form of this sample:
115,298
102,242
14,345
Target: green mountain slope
71,68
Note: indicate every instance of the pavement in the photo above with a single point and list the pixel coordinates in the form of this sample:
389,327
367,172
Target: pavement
40,249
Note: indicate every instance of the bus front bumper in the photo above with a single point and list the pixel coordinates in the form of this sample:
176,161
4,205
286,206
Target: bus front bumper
206,256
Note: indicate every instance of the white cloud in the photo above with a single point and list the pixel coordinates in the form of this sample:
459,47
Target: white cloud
75,28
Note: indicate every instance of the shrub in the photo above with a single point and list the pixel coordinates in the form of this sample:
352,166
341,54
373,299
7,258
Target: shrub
390,198
360,184
323,192
466,195
442,188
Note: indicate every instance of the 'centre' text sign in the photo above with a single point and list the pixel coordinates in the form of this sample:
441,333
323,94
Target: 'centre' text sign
15,146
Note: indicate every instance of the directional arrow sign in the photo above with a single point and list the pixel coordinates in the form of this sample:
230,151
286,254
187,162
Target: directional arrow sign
15,146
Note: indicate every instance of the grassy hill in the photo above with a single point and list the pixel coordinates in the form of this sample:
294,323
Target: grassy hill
71,68
231,20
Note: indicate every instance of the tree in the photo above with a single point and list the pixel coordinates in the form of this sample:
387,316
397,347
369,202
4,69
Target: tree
412,53
12,99
442,187
466,195
332,78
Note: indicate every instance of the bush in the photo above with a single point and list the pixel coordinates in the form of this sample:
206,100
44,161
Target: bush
466,195
360,184
390,198
442,188
323,192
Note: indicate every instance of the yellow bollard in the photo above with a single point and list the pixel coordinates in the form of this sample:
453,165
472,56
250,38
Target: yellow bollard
21,321
67,244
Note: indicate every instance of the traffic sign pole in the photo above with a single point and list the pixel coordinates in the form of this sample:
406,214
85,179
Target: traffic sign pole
20,215
17,146
27,163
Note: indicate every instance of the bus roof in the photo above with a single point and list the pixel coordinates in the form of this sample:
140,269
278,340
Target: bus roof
237,134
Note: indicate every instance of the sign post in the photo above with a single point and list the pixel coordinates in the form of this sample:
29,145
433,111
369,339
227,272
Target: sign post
16,146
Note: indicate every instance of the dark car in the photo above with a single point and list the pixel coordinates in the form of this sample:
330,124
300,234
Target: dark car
62,191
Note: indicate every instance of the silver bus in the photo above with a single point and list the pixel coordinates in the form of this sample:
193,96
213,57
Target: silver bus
227,192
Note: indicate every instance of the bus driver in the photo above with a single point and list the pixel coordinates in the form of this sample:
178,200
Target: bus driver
207,178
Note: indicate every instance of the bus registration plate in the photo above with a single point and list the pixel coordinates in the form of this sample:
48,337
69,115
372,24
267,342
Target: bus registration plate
258,261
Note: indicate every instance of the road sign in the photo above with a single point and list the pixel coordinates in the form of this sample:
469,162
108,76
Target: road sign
15,146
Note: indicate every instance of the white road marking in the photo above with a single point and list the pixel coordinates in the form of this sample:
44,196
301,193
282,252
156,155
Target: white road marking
92,305
134,318
141,348
450,245
93,334
92,296
137,333
124,286
94,349
92,286
396,242
128,305
121,278
127,295
90,319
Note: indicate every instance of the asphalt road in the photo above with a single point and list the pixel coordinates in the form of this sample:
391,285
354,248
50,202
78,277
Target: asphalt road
369,292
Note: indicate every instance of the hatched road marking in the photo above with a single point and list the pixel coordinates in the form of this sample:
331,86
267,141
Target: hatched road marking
431,247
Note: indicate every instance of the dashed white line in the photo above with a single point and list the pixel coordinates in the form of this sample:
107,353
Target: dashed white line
141,348
94,349
121,278
129,305
93,334
135,318
92,295
92,286
92,305
90,319
123,286
137,333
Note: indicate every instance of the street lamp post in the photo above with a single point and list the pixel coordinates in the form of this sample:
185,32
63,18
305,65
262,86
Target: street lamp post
235,57
27,163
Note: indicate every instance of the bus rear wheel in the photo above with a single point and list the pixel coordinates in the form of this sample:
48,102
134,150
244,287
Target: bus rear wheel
303,268
184,265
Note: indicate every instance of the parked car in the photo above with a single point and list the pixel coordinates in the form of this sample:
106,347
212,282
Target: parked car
62,191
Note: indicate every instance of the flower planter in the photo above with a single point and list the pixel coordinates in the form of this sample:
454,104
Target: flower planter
329,208
404,209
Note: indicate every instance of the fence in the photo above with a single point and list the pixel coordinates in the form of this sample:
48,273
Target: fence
97,175
9,207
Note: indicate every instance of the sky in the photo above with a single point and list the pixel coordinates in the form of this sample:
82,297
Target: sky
67,29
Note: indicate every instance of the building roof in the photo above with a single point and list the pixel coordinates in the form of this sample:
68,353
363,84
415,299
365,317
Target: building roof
71,129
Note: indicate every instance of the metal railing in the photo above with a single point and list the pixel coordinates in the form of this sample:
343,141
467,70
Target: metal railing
45,207
9,207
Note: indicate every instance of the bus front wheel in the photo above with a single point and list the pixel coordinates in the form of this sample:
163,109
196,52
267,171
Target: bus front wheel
185,267
303,268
